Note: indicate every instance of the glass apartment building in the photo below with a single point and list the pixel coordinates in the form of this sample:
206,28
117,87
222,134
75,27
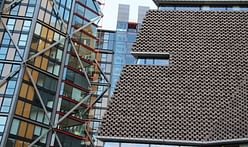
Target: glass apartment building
114,51
105,45
49,72
126,33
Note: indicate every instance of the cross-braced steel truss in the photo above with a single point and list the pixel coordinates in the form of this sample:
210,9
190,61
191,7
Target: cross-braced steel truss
24,63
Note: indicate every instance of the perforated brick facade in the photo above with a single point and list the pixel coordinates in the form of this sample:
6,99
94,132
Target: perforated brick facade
201,97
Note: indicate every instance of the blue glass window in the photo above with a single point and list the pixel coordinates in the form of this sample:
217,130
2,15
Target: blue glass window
111,144
153,61
66,15
23,39
26,25
189,8
6,105
11,24
167,8
30,11
3,120
91,4
15,10
243,8
122,26
121,37
3,52
131,37
161,62
6,39
68,4
11,87
216,8
133,145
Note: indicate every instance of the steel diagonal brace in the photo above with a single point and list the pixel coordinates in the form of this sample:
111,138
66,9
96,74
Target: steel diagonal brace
86,25
59,41
89,136
80,62
38,94
9,76
10,5
37,139
11,37
74,108
44,50
102,73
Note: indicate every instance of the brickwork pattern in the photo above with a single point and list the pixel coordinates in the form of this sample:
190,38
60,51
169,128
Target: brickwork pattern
201,96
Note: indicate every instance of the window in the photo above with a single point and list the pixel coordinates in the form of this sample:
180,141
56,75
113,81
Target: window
37,29
3,52
68,4
120,47
38,114
6,39
26,25
47,82
133,145
14,11
122,26
11,87
2,123
23,39
73,93
6,105
14,127
80,80
11,24
188,8
153,61
216,8
111,144
30,11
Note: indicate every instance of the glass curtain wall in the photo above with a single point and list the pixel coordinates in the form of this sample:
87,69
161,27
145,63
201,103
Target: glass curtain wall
75,86
125,36
30,119
105,45
50,83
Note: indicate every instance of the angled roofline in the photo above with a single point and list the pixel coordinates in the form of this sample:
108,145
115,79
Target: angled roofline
201,2
171,142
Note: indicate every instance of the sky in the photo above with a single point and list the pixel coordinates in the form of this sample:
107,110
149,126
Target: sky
110,11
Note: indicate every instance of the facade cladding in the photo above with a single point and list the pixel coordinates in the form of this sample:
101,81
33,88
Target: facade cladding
199,97
49,72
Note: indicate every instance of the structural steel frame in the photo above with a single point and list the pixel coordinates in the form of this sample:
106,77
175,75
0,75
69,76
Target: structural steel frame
25,68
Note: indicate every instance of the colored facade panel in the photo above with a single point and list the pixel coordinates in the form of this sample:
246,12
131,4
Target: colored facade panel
47,65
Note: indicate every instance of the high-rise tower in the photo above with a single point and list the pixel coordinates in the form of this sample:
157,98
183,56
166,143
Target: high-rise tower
48,72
